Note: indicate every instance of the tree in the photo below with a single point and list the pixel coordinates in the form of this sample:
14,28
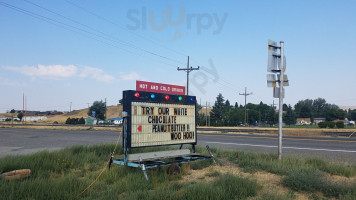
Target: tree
319,107
217,112
81,121
12,111
69,120
272,117
353,115
304,108
100,108
290,116
20,115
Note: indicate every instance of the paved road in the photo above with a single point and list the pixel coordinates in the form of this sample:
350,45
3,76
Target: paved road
24,141
16,141
334,149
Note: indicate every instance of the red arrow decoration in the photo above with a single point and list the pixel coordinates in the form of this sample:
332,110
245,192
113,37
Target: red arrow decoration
139,128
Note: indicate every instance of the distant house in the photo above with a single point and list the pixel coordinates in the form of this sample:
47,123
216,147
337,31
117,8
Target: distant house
90,121
345,121
116,121
303,121
317,120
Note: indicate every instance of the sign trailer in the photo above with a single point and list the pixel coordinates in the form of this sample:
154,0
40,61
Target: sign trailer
158,119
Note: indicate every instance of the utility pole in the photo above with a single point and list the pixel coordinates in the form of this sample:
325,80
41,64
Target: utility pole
188,69
70,107
105,109
245,94
23,107
206,113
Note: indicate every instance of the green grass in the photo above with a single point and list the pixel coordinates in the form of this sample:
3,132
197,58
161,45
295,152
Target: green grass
65,173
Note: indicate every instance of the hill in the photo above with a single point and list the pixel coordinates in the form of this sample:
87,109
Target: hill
112,112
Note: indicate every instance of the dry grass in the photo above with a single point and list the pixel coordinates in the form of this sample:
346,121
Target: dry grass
112,112
274,131
271,182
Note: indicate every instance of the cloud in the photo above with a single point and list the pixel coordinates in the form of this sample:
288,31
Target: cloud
96,73
62,72
130,76
50,71
7,82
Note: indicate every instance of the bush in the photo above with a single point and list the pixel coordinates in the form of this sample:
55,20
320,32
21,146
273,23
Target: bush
81,121
340,124
331,124
304,180
322,124
68,121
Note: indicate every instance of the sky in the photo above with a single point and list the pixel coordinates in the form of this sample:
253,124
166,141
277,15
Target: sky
66,54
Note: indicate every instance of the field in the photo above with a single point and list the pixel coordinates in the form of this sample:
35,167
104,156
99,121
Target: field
115,111
64,174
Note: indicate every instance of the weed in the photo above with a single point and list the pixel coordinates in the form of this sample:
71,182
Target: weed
304,180
213,174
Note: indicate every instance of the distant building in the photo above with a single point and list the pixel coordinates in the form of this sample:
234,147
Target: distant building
33,118
317,120
303,121
116,121
90,121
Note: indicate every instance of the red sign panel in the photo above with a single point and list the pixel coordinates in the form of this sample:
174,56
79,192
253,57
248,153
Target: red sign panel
160,88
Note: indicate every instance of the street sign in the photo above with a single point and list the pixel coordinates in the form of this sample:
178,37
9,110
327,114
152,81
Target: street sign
276,92
285,79
272,56
271,80
160,88
156,119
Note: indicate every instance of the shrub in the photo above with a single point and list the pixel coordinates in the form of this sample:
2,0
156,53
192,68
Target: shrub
304,180
331,124
322,124
340,124
81,121
68,121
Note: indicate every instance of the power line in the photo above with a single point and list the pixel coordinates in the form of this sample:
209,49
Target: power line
145,38
105,38
86,33
122,28
188,70
245,94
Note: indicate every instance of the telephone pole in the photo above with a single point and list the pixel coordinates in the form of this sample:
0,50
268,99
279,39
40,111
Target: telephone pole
70,107
188,69
245,94
206,113
106,109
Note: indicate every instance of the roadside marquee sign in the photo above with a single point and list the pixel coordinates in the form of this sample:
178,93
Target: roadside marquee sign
156,119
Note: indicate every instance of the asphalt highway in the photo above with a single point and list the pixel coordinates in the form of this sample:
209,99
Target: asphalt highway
16,141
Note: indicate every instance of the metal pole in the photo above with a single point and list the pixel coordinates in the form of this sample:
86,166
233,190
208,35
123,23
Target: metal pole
188,70
206,114
245,94
188,76
280,116
245,107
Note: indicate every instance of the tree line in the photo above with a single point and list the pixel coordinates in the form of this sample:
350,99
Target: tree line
225,114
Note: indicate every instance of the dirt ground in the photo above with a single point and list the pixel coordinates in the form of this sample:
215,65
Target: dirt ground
271,183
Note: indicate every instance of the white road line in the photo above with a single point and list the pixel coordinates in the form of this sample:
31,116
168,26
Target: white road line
297,148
